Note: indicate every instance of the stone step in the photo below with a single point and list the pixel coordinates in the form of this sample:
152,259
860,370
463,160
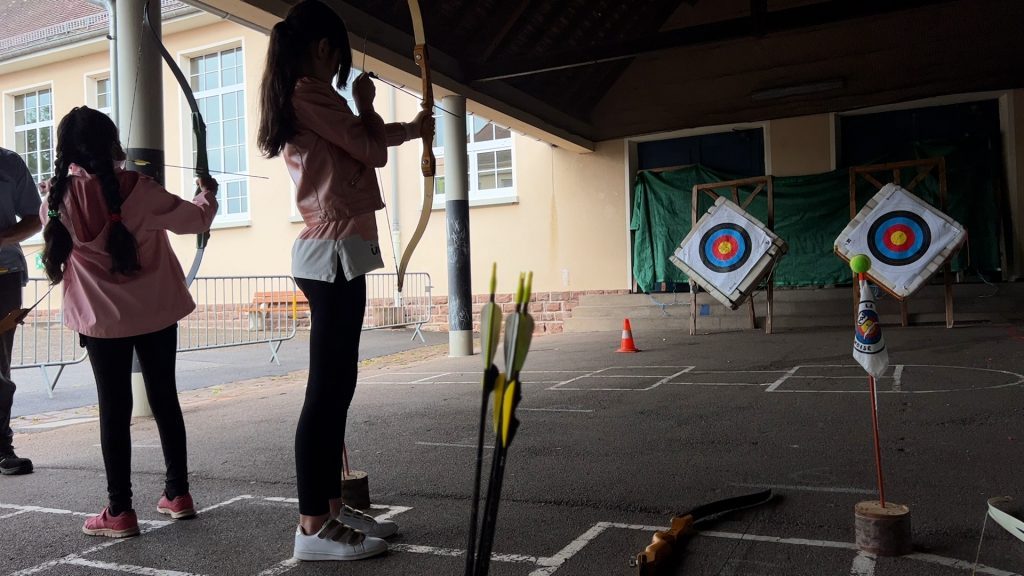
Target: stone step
1006,294
737,321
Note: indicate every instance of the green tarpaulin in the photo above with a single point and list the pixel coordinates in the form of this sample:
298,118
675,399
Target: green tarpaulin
810,212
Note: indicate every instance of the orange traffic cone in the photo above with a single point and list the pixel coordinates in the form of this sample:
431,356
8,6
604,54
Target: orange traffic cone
627,339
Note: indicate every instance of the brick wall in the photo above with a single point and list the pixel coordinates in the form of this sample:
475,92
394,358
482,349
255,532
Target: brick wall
549,309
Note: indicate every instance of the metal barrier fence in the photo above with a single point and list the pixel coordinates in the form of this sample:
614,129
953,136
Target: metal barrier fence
42,341
242,310
230,311
386,308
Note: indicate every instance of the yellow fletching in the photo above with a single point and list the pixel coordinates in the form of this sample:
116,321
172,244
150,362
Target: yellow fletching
499,397
506,415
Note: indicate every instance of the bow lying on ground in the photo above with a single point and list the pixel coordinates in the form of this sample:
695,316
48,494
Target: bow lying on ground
660,549
1012,524
202,167
428,164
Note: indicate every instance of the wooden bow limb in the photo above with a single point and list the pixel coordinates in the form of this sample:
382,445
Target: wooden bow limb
663,543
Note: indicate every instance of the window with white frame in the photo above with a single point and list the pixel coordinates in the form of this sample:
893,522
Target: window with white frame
33,132
491,164
218,81
104,97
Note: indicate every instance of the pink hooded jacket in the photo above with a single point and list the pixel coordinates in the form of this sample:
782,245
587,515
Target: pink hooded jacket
101,304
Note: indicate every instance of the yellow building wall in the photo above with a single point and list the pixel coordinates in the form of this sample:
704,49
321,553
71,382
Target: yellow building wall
801,145
569,223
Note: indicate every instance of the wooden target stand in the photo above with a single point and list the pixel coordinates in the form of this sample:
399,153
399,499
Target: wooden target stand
760,183
924,169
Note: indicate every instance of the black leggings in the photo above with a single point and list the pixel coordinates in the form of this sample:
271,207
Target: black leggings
111,360
337,309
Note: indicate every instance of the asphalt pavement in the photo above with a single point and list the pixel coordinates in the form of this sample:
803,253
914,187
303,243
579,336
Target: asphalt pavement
610,447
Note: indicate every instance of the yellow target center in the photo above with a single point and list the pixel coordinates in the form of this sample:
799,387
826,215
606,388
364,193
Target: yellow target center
724,248
899,238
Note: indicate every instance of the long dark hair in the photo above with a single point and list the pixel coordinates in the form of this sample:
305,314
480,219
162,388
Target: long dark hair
88,138
291,43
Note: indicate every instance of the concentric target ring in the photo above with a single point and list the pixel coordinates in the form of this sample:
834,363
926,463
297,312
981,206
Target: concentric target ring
899,238
725,247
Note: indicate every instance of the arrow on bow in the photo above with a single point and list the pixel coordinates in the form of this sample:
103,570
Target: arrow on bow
202,167
428,164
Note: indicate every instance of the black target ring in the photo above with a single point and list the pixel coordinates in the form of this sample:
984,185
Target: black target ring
725,247
899,238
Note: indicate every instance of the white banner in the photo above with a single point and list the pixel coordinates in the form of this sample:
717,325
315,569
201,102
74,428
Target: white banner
868,342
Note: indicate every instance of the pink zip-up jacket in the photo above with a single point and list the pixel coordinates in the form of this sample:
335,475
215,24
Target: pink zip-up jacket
101,304
331,160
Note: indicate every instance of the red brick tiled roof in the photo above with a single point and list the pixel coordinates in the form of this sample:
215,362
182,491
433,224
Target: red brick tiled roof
20,16
28,25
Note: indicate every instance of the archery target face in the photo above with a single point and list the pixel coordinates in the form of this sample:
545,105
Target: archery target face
724,248
899,238
906,238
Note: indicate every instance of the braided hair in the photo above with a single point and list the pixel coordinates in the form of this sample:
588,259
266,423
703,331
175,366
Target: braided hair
88,138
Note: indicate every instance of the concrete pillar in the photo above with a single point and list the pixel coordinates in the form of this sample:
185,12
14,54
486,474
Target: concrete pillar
456,192
140,112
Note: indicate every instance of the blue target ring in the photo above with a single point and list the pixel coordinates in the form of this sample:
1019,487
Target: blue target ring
899,238
725,247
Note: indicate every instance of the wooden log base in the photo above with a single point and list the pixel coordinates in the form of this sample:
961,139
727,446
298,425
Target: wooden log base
355,489
883,531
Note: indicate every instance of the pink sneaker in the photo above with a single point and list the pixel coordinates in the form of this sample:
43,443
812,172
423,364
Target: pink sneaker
123,525
180,507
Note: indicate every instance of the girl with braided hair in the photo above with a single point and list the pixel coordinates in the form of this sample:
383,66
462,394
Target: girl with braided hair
105,230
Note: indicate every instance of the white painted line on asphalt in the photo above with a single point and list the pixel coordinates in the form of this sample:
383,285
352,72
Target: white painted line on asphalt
599,374
152,525
456,552
738,371
127,568
800,488
560,385
714,384
392,511
960,564
134,446
771,387
863,564
779,540
61,512
225,503
12,514
59,423
549,565
431,377
553,410
897,378
280,567
627,376
445,445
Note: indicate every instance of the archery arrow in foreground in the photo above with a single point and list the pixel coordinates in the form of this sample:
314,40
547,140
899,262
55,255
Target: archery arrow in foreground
507,394
662,543
490,331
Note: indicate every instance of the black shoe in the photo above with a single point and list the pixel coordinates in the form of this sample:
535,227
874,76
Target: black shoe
11,465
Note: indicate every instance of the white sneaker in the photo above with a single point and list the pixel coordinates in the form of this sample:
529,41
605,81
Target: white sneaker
335,541
367,524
